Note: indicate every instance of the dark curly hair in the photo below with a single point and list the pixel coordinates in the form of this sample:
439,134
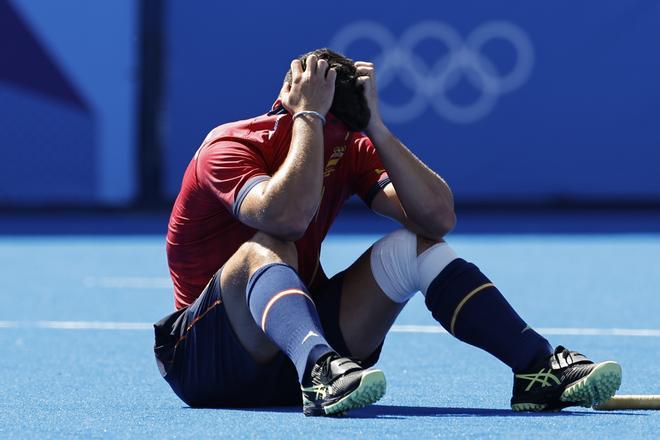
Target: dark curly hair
349,103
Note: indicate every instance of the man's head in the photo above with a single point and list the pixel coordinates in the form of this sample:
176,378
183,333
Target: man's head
349,103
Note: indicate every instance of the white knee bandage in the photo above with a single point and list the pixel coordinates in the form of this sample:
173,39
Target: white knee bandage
398,270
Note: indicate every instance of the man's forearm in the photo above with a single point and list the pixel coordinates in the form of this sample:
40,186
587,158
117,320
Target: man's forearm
285,204
425,196
294,191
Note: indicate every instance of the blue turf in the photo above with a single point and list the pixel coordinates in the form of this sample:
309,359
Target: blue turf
104,383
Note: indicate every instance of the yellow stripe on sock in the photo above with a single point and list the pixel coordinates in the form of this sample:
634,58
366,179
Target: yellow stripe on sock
463,301
276,298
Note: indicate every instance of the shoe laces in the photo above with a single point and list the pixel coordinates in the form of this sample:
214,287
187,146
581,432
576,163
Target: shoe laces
564,353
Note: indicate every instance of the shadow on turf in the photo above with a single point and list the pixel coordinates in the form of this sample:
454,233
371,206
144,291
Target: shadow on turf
399,412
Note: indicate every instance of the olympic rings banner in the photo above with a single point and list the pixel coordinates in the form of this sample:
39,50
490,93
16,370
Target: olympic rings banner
430,85
510,101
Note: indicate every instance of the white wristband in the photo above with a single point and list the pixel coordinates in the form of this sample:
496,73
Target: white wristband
312,113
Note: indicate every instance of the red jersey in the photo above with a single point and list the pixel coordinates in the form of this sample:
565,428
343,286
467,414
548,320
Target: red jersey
204,230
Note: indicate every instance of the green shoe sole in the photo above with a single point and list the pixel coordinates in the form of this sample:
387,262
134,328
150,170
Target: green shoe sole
371,389
528,407
595,388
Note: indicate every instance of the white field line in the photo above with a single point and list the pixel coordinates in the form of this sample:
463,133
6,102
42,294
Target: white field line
78,325
111,325
564,331
600,331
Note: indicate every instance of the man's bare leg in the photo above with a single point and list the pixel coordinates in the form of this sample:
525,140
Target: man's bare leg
266,301
366,312
262,249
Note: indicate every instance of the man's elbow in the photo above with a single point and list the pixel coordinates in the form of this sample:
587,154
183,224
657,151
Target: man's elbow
442,221
290,234
291,227
448,221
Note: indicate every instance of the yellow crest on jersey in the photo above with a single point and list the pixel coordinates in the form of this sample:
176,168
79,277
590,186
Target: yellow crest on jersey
337,154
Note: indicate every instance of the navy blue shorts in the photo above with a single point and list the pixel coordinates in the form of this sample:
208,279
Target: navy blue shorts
201,358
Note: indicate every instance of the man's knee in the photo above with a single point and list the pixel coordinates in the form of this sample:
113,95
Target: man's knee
260,250
403,263
264,248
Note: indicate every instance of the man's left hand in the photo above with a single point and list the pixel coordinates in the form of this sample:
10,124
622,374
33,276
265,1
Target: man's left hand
367,78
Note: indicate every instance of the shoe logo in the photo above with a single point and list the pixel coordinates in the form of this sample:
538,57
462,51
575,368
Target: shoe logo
309,335
525,329
320,392
541,377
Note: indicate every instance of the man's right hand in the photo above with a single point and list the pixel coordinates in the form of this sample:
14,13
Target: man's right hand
285,204
312,89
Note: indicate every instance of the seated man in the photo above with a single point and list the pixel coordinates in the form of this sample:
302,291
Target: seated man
256,316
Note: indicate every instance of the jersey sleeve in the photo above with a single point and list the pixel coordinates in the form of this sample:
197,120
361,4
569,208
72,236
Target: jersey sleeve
369,175
229,170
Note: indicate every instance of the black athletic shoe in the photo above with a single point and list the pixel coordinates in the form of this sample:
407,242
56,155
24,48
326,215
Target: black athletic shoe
566,378
338,384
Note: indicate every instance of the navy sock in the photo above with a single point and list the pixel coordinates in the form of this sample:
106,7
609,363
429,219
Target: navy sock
281,306
471,308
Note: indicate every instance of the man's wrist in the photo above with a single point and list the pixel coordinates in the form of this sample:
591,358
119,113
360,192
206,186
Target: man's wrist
309,114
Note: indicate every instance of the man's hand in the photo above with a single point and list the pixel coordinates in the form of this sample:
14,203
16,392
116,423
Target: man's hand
311,89
367,78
